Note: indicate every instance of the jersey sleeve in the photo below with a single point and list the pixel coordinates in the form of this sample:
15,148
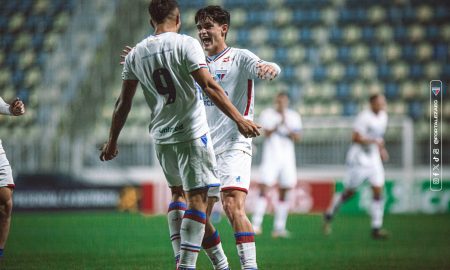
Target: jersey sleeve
360,124
249,61
4,107
194,56
296,124
127,71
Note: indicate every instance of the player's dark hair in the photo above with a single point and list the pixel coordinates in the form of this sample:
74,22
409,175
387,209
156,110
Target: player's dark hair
373,97
283,94
215,13
159,10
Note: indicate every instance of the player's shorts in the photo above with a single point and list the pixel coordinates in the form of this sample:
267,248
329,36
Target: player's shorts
356,175
282,171
190,164
234,169
6,179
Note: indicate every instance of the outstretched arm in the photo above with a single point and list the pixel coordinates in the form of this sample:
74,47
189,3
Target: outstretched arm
218,96
16,107
121,110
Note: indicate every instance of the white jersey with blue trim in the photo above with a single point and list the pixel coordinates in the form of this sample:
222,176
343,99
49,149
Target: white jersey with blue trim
372,126
279,145
235,70
163,64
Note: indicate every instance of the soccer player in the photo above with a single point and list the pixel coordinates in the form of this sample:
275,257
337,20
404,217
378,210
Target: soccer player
168,66
365,162
235,70
15,108
282,128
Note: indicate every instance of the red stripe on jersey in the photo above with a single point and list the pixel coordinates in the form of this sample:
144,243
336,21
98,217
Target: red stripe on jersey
234,188
249,96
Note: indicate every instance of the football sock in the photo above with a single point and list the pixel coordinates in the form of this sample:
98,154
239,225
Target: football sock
174,218
245,244
192,232
281,214
214,250
258,213
377,211
335,204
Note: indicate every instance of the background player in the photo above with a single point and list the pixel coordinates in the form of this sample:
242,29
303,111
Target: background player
235,70
16,108
365,161
282,128
166,64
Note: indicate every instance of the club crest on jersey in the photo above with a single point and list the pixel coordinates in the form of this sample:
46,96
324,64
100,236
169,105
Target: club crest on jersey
219,74
226,59
436,90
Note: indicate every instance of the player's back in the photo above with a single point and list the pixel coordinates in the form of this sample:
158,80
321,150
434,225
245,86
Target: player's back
162,64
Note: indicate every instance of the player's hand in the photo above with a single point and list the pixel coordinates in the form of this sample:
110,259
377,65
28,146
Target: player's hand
109,151
248,128
124,54
17,107
266,71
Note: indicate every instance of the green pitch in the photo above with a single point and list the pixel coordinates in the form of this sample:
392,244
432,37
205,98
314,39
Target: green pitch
132,241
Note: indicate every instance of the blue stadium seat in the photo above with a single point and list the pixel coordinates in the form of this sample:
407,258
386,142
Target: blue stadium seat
353,15
319,73
336,34
392,90
400,33
415,109
343,53
6,41
305,35
350,108
343,91
368,34
384,71
416,71
432,33
351,72
409,52
288,73
274,36
243,37
440,51
281,55
17,78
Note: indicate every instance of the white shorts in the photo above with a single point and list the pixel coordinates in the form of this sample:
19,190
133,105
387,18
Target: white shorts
6,179
285,173
190,164
356,175
234,169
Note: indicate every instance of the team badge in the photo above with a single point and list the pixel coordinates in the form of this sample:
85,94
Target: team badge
220,74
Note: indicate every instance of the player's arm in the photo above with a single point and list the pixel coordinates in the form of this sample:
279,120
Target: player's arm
257,68
359,138
16,107
120,114
218,96
295,135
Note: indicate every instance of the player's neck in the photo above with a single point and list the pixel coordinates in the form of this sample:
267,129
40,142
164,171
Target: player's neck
220,48
164,28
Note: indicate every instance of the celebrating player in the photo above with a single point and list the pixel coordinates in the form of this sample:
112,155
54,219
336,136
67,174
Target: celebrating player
16,108
167,65
364,161
282,128
235,70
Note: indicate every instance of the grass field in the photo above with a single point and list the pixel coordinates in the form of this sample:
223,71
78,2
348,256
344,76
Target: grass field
132,241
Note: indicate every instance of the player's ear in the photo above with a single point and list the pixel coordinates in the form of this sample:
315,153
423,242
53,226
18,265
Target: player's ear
224,29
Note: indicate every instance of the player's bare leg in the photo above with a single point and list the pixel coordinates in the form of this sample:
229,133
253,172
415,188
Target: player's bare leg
211,241
234,206
5,215
281,215
175,215
260,209
193,227
337,201
377,211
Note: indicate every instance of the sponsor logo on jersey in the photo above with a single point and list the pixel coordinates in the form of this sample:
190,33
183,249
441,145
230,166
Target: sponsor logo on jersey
238,179
171,129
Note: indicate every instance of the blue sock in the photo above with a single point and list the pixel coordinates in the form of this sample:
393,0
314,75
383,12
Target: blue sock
1,252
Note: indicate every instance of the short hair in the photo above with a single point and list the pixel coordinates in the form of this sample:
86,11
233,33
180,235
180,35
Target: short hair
373,97
215,13
159,10
283,94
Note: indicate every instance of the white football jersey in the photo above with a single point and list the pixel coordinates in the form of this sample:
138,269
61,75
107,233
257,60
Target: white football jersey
235,70
162,64
4,109
372,126
279,145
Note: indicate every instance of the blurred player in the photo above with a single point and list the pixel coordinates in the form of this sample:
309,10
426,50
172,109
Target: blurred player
16,108
365,162
167,65
235,70
282,128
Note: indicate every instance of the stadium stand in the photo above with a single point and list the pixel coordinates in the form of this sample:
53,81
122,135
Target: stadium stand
334,54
